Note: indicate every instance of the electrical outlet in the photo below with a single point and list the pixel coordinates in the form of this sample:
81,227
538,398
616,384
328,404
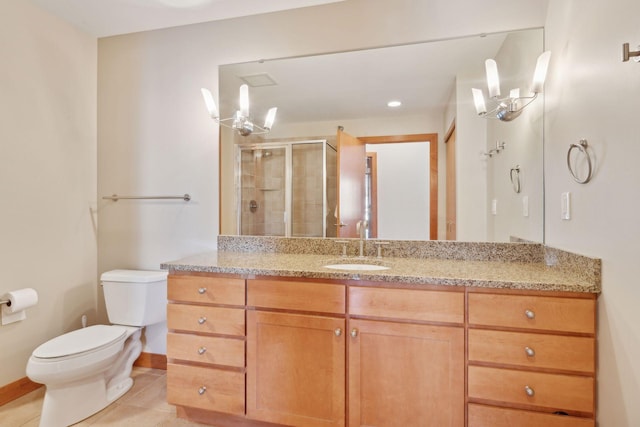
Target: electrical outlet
525,206
565,206
494,206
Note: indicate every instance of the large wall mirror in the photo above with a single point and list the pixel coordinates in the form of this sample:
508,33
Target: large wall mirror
430,168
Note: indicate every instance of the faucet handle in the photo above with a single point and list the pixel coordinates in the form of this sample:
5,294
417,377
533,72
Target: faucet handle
344,246
380,245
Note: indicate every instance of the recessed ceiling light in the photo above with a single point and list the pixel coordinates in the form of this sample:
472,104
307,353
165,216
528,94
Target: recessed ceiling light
394,104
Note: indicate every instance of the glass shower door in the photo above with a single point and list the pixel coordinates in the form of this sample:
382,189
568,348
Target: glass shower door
263,177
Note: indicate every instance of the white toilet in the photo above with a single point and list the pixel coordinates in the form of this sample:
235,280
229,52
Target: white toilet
87,369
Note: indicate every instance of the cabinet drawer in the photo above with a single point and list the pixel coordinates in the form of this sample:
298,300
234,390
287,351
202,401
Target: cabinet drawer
532,350
204,349
488,416
435,306
301,296
211,320
210,290
532,312
553,391
205,388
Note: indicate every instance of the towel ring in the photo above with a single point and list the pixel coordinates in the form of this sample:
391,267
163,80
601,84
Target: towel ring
515,181
582,147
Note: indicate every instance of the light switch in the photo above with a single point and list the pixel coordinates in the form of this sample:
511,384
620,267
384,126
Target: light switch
565,206
525,206
494,206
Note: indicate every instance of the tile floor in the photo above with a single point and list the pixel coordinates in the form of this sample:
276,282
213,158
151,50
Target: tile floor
144,405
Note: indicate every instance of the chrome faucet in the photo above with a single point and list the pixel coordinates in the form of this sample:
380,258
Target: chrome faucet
361,229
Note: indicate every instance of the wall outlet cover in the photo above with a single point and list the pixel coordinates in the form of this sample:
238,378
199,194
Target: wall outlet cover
565,206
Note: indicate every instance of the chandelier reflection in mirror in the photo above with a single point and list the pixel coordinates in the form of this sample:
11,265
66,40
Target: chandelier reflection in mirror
508,108
241,120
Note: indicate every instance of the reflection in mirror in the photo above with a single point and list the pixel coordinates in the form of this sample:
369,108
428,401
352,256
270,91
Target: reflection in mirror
464,190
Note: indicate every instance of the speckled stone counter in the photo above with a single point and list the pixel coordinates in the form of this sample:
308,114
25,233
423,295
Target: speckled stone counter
545,269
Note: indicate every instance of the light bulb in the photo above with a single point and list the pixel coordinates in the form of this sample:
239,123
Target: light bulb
493,80
540,74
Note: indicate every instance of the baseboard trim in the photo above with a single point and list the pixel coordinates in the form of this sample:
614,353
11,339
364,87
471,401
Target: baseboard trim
17,389
151,360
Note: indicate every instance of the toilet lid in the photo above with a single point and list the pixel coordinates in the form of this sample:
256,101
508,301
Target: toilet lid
79,341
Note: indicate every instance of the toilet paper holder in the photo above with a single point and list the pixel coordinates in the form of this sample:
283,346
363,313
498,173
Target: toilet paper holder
5,301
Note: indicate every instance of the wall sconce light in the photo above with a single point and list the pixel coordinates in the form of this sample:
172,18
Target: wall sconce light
241,120
508,108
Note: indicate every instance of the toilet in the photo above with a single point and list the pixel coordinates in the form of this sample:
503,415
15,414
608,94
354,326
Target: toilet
87,369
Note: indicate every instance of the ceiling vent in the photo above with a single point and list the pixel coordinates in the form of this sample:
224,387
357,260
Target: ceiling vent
258,80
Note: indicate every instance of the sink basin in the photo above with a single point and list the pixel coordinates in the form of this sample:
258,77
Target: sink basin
356,267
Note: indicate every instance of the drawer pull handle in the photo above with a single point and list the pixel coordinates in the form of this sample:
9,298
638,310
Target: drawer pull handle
202,320
202,389
530,314
338,332
530,352
202,350
530,392
202,290
354,332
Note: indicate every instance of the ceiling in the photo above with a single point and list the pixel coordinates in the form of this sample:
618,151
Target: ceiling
103,18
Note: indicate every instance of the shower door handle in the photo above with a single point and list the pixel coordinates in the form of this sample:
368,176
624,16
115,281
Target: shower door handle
342,224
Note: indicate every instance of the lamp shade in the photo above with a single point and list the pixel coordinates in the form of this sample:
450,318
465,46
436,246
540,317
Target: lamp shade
271,117
493,80
244,100
540,74
478,100
210,103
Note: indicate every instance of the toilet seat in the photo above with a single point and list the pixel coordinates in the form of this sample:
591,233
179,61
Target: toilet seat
81,342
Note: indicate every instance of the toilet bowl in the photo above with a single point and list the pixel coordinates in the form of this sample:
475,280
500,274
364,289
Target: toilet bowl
87,369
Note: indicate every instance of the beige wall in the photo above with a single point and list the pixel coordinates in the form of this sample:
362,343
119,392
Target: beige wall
47,177
592,94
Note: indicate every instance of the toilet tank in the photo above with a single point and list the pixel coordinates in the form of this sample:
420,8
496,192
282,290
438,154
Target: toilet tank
135,297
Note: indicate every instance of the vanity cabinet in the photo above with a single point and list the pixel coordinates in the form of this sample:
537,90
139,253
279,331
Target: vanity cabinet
206,343
406,357
305,352
401,355
531,359
296,359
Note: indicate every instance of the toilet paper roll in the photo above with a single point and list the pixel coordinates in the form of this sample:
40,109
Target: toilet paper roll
19,300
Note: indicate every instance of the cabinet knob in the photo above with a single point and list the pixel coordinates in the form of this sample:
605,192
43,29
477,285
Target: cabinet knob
202,320
338,332
530,314
530,392
529,351
202,290
202,389
202,350
354,332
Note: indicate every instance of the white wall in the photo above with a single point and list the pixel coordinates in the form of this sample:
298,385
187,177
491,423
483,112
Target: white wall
523,146
592,94
47,177
403,190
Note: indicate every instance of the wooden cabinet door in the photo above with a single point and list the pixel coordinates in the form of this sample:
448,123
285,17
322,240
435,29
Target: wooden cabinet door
295,369
405,375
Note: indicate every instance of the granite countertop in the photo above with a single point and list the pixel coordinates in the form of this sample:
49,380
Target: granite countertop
536,276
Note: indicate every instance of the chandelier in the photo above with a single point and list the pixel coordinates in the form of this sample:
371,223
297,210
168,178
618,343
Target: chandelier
241,120
508,108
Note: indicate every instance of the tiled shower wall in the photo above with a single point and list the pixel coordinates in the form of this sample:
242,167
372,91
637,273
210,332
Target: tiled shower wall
264,181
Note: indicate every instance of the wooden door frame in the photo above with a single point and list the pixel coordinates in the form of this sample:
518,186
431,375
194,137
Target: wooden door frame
433,169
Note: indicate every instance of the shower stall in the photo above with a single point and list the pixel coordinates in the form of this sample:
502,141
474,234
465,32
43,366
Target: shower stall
287,188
